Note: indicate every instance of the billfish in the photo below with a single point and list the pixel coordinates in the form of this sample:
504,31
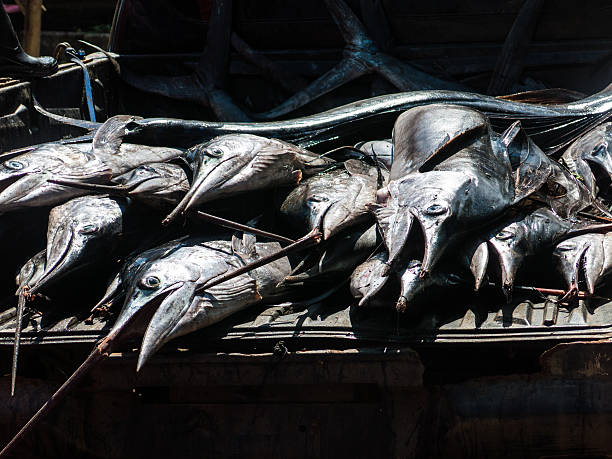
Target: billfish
238,163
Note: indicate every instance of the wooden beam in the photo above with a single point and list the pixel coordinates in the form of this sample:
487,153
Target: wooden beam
32,27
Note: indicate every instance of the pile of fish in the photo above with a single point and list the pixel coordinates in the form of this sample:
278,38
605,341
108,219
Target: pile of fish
200,232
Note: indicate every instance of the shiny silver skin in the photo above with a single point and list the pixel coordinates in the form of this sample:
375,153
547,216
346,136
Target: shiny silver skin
334,200
529,233
589,158
585,257
380,150
238,163
336,257
460,184
366,281
173,277
551,126
31,271
24,178
156,184
80,232
535,173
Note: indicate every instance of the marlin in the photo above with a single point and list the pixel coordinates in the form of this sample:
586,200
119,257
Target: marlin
238,163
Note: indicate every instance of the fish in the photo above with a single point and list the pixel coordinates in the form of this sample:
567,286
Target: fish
335,199
238,163
456,191
381,150
155,184
587,257
81,232
551,126
336,257
529,231
174,276
31,272
538,176
26,179
589,158
366,283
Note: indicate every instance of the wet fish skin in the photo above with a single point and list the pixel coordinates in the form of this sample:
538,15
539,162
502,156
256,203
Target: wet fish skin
590,159
24,178
345,124
381,150
80,232
175,275
337,257
155,184
462,183
335,200
585,257
31,271
238,163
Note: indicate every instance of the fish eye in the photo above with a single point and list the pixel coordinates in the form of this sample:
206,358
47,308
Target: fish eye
504,235
88,229
318,199
599,151
215,152
436,209
566,247
151,282
14,165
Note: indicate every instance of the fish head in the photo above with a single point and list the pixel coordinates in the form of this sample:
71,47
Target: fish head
569,256
79,232
213,164
509,244
600,162
437,202
154,282
31,271
320,202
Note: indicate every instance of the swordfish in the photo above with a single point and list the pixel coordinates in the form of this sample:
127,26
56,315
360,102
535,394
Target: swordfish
26,179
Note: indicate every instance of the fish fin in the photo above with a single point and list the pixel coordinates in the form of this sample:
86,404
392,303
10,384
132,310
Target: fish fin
244,245
269,155
451,145
552,96
109,136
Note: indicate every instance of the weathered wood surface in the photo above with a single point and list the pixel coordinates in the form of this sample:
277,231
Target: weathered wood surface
472,402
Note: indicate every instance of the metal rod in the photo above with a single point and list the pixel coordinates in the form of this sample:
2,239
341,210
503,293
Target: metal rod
97,355
312,238
240,227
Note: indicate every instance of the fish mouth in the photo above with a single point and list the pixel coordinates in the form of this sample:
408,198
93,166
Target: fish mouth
592,266
509,263
434,233
479,263
202,185
60,257
135,301
399,230
16,186
165,319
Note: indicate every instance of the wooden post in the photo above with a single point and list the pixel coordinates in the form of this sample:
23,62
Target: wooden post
31,32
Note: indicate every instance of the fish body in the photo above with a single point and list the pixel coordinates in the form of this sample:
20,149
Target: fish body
589,158
175,275
380,150
24,179
461,187
551,126
155,184
334,200
239,163
585,257
81,232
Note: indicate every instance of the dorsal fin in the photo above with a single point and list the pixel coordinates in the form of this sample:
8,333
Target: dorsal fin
109,136
425,136
554,96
